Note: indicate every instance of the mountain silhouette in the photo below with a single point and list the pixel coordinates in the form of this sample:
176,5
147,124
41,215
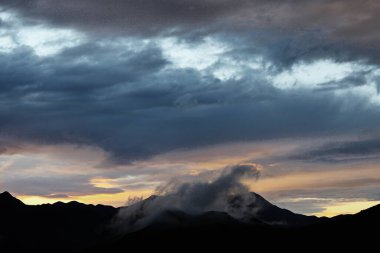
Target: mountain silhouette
76,227
7,201
58,226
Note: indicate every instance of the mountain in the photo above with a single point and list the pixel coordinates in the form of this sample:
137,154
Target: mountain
249,208
58,226
261,226
258,208
252,223
347,233
7,201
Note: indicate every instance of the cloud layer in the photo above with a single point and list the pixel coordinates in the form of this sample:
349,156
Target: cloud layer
136,105
145,80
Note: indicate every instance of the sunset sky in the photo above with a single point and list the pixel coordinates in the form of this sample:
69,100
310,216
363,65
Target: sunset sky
102,101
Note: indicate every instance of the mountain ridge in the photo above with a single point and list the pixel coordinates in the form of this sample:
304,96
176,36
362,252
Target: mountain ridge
77,227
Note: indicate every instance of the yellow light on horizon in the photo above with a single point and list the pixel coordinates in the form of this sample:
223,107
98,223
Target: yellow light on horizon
116,200
346,208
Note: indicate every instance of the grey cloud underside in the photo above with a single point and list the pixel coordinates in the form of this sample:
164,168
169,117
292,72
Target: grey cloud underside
135,105
343,151
316,199
356,79
370,192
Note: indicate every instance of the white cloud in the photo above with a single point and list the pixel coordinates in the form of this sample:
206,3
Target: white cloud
198,56
311,74
44,40
315,75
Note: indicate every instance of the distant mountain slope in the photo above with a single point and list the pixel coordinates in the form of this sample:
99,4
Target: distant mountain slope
261,209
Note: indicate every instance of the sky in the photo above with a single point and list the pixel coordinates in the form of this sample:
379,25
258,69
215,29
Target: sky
104,101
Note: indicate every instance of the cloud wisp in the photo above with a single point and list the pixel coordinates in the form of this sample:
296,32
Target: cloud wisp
210,191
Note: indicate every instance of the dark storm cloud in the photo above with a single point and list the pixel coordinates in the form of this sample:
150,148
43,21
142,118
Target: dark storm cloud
289,31
111,84
136,16
134,104
164,14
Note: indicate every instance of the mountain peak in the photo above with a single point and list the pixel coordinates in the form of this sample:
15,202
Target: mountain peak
5,194
7,200
255,207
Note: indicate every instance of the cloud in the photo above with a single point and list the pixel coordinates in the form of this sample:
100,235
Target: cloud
210,191
135,104
126,95
353,80
141,79
147,16
343,151
52,186
288,31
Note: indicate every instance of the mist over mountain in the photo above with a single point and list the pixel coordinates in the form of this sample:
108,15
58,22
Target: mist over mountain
215,191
